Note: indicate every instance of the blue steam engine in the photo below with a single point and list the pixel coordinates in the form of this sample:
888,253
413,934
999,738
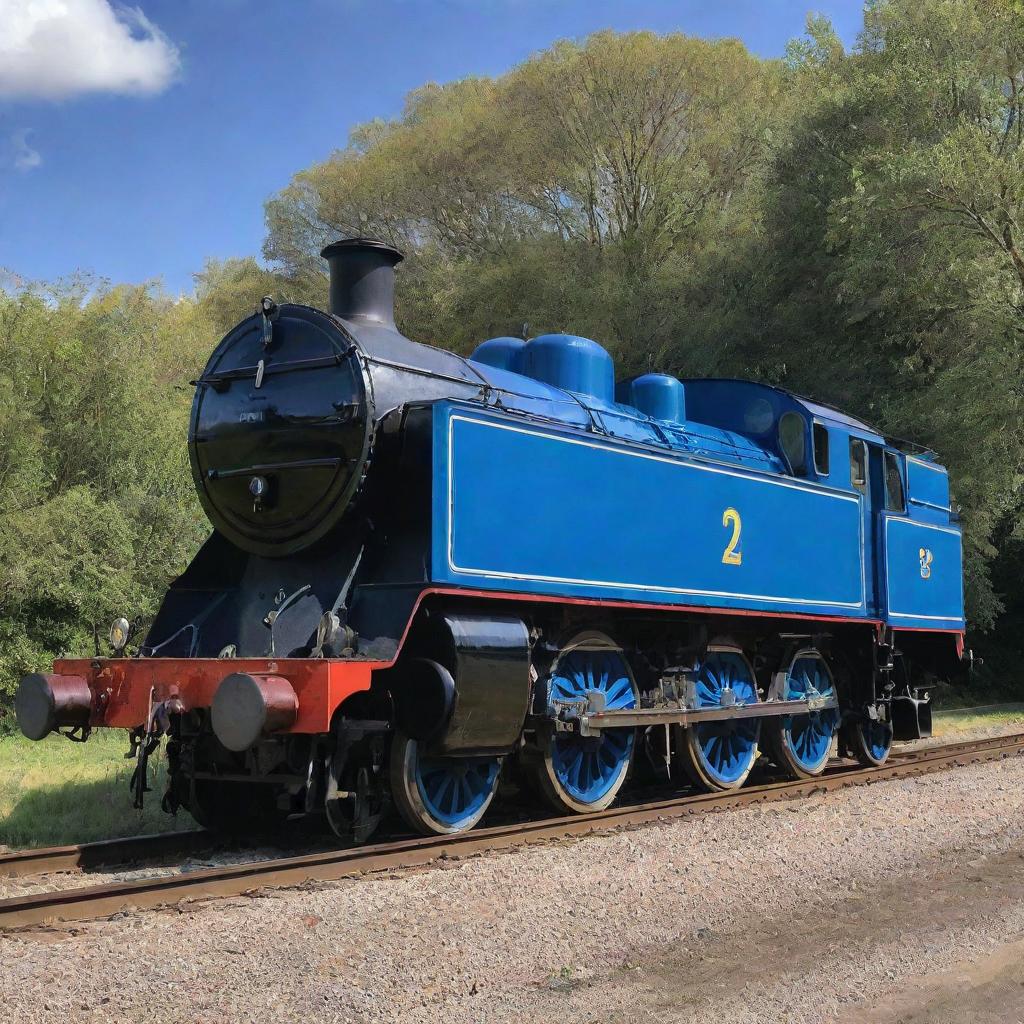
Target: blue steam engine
429,572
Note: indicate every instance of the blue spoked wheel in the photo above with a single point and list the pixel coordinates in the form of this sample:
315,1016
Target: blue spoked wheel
585,773
440,795
719,755
870,741
801,744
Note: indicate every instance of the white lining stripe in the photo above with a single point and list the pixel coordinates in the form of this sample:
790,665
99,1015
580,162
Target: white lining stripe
928,465
495,574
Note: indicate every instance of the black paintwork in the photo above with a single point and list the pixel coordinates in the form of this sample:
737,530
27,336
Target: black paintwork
480,707
292,414
491,655
362,279
338,393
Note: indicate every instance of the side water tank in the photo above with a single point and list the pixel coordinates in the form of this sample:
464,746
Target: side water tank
571,363
657,394
501,353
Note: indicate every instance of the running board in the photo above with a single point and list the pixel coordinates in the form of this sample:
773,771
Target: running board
590,723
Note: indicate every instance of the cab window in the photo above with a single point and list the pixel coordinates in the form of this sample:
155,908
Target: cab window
820,438
793,441
859,464
894,500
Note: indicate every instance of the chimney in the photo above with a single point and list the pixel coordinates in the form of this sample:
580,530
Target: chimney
362,279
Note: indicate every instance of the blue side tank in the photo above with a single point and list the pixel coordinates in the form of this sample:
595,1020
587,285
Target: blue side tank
570,363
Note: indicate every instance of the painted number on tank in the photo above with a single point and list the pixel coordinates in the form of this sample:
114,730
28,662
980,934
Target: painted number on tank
926,559
732,556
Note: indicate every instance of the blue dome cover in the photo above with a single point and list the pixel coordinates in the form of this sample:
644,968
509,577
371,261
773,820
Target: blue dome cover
572,363
502,353
657,394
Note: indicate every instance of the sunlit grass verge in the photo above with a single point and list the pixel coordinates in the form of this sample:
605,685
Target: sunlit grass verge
56,792
958,719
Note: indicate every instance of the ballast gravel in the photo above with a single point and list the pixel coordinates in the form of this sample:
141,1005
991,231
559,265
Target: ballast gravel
807,912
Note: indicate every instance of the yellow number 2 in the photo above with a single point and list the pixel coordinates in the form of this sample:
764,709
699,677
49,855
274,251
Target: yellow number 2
732,557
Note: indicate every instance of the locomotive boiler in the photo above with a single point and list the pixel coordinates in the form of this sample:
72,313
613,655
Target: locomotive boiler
428,573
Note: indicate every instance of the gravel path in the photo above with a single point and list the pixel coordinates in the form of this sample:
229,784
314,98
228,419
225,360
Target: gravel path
806,912
28,885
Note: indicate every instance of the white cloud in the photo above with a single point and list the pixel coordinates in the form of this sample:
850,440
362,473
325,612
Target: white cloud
52,49
25,158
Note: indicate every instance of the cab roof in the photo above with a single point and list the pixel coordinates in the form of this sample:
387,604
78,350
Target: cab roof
824,414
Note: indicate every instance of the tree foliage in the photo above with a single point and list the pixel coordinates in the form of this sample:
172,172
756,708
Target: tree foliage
892,220
583,187
96,498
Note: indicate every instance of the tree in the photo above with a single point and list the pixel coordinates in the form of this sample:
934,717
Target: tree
96,498
846,224
892,230
576,191
228,290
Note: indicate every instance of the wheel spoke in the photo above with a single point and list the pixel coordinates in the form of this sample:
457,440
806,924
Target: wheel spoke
807,738
620,694
724,751
453,793
587,770
576,768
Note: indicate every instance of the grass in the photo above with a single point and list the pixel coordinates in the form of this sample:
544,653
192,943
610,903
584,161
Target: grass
957,719
55,792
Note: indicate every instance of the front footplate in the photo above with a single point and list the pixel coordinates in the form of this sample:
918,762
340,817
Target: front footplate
590,722
263,695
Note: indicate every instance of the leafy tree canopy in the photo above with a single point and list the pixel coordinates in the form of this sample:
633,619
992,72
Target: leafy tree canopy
96,498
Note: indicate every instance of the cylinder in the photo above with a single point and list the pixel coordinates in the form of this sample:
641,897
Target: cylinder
362,279
247,707
424,694
47,702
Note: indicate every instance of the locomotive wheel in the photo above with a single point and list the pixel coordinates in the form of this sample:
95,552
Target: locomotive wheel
356,817
440,795
720,755
585,773
236,808
801,744
869,741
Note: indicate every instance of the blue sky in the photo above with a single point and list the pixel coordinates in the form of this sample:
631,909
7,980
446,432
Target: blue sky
135,141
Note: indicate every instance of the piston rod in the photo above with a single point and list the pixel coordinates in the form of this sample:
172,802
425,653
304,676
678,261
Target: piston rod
590,723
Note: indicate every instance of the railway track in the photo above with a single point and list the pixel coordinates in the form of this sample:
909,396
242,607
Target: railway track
96,901
113,852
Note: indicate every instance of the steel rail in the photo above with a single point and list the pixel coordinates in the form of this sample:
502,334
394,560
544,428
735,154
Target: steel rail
92,902
86,856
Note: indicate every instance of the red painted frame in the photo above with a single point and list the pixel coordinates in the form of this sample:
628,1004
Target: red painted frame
125,690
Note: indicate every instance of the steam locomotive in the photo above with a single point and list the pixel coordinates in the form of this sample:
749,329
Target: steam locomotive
428,573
